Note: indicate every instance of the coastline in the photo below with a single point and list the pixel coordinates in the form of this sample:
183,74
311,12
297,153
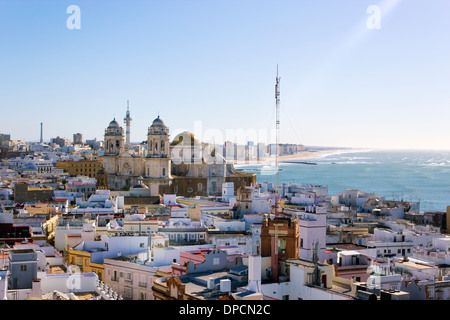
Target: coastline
305,155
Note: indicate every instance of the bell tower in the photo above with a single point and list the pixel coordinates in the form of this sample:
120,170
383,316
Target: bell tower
113,139
158,162
158,140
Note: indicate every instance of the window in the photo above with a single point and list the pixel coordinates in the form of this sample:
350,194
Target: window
216,261
23,267
282,245
142,245
128,276
163,171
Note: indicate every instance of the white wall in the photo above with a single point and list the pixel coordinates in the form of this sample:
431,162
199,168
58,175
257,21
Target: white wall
233,225
165,256
298,290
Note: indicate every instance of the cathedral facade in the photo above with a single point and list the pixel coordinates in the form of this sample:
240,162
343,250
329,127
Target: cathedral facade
185,167
126,168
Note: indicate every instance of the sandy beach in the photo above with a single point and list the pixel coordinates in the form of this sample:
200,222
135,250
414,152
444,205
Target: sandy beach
292,157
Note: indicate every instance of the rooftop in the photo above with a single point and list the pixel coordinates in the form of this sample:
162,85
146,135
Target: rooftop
346,246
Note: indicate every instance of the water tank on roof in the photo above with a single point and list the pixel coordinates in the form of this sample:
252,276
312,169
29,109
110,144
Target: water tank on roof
225,285
210,284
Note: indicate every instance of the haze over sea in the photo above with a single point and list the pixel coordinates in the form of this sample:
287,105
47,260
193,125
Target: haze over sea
396,174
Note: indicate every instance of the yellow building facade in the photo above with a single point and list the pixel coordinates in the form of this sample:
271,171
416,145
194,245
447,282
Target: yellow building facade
88,168
82,259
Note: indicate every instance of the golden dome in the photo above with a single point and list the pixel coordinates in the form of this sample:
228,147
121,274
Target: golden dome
185,139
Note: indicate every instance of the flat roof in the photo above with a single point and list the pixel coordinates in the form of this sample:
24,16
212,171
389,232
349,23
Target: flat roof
346,246
350,252
19,251
417,265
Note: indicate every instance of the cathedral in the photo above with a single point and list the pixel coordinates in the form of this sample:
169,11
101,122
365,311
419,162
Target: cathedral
185,166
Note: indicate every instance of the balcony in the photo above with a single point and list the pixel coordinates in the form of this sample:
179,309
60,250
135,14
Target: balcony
143,284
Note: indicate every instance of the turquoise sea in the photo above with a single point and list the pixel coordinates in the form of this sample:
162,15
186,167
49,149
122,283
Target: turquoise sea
409,175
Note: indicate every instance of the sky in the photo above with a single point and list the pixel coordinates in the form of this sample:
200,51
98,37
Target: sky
349,77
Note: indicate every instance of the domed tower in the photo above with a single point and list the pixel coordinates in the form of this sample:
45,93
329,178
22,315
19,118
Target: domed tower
158,140
157,162
114,137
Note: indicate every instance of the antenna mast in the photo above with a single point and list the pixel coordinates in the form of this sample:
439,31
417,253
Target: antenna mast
277,150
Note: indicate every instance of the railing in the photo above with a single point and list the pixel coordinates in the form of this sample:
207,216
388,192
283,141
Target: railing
143,284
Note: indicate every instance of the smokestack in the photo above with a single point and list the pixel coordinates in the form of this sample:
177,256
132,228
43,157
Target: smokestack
41,133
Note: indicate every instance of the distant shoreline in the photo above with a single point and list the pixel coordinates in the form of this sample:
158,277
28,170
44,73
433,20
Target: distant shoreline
293,157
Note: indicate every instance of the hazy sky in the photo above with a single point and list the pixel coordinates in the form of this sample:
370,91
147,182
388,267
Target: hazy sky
213,62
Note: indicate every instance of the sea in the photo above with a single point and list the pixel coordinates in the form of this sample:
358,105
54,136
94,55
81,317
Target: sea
420,176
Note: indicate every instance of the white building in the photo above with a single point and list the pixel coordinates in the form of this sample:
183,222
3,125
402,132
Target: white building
390,244
79,233
312,226
228,191
132,276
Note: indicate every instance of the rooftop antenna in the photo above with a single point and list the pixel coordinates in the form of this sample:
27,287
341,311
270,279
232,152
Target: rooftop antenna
277,101
315,259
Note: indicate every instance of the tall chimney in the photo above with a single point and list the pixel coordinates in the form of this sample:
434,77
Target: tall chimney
3,285
36,290
254,273
42,140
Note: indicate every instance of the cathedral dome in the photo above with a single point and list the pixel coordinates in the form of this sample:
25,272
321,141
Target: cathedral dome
140,184
114,129
186,139
158,123
114,124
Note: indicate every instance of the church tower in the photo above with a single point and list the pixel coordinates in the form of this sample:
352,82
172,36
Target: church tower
157,161
158,140
113,139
